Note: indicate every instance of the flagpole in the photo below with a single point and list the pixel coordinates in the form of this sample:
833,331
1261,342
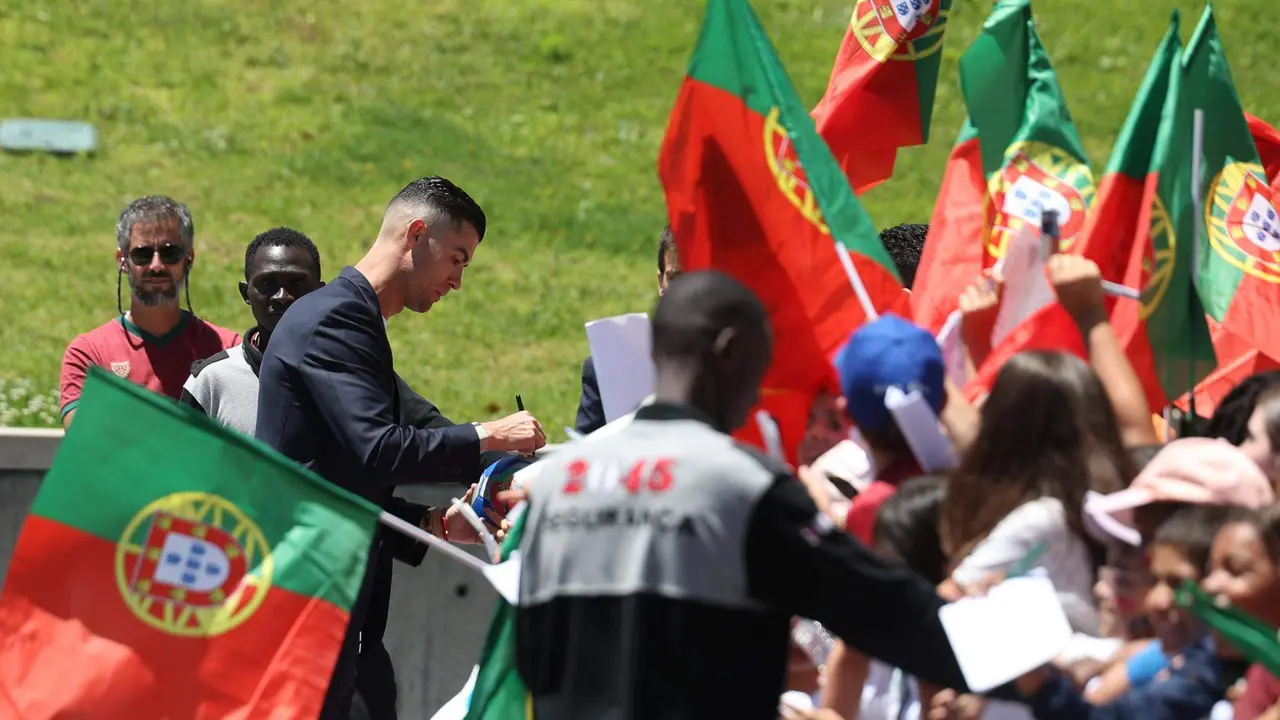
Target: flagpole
859,289
421,535
1197,150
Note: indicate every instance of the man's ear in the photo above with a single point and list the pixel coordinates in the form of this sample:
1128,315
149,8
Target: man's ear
319,286
119,259
726,344
417,231
244,292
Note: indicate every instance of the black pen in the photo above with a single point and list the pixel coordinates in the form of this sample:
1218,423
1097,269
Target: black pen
519,403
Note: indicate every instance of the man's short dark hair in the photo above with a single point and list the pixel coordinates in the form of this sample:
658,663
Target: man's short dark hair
436,193
283,237
666,244
905,243
697,307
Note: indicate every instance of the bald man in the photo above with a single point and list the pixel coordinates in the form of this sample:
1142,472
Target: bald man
328,395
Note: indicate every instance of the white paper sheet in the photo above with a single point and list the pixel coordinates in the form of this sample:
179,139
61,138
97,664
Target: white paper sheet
505,577
951,342
1017,627
920,428
456,708
1026,288
620,349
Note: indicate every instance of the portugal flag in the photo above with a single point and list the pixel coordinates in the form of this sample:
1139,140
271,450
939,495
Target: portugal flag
1266,139
171,568
1140,229
1030,159
753,191
1239,265
880,96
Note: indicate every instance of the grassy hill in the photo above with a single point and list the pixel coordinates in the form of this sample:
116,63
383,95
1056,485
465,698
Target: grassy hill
549,112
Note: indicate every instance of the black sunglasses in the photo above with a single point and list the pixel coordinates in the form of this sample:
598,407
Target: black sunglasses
170,254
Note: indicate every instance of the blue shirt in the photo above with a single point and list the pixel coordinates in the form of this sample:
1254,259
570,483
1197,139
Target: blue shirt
1187,693
1146,664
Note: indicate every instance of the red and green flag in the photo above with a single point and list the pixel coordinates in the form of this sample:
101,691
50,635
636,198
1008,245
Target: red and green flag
1137,230
1267,141
1238,263
1017,155
171,568
499,692
880,95
753,191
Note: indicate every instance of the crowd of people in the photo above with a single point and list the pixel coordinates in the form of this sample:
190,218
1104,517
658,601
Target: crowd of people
678,598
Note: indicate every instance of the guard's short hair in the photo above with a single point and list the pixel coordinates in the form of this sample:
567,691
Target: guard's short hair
154,208
697,307
905,243
436,193
284,237
666,244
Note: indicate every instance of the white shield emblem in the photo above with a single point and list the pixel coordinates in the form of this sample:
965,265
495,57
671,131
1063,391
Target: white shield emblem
1261,225
121,369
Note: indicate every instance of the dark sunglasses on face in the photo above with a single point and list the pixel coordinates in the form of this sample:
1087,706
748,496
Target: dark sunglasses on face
170,254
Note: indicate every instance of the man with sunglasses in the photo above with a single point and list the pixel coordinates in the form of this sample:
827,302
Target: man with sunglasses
155,343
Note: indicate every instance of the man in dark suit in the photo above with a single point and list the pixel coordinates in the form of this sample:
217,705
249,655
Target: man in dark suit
590,407
328,396
376,676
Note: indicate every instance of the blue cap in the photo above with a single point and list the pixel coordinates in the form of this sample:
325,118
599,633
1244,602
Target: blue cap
889,352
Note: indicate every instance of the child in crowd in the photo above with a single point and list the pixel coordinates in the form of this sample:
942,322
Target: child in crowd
1194,681
1047,436
1244,571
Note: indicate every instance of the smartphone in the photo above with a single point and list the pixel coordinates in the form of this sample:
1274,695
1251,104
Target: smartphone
1050,235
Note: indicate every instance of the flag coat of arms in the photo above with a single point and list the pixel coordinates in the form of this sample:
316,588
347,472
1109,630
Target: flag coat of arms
1030,159
753,191
880,95
171,568
1238,263
1140,234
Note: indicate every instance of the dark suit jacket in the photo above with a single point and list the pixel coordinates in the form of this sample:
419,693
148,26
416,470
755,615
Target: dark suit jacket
590,409
376,678
328,399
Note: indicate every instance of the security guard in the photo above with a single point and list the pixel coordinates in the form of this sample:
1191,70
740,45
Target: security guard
662,566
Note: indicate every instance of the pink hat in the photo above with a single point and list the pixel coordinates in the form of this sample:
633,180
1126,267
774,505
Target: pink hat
1195,471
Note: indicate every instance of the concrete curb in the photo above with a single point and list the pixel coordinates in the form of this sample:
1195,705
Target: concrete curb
29,449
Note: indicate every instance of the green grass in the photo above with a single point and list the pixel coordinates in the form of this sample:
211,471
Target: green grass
549,112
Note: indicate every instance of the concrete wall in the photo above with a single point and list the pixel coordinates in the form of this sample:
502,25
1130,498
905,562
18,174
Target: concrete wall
439,611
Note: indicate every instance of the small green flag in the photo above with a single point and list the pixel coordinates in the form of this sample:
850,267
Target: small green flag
1252,636
500,692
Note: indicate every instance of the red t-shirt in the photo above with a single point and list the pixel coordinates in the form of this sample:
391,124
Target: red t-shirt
159,364
861,520
1261,692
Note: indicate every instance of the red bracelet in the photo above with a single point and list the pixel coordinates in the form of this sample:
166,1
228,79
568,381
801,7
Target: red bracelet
444,526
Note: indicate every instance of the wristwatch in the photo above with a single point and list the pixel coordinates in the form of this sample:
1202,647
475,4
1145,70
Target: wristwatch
483,435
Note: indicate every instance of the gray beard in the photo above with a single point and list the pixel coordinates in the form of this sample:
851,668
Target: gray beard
158,298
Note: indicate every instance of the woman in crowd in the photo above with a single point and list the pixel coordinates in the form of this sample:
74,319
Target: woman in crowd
1048,435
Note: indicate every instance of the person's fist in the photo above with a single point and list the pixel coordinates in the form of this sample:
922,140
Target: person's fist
1078,284
520,433
979,304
